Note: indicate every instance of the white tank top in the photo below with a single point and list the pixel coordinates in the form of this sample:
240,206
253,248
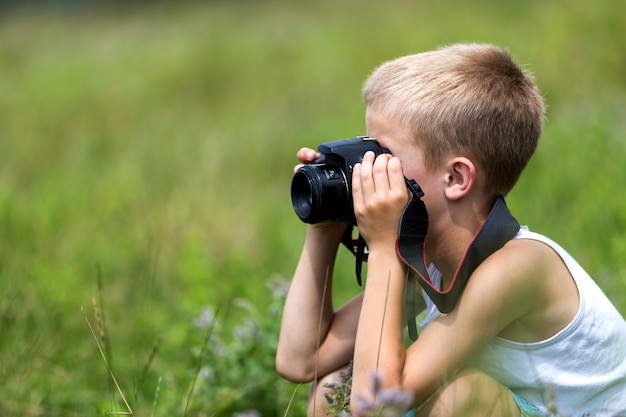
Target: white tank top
581,370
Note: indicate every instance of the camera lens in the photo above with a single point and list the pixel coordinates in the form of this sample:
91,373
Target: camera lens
302,195
319,192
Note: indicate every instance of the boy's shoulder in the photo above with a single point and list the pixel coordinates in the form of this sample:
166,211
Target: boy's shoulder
520,265
528,285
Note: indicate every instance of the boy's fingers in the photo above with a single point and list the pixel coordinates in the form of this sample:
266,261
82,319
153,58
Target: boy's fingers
396,175
357,194
306,155
380,172
365,174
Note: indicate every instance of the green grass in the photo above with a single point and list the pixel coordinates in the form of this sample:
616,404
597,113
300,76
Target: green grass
151,150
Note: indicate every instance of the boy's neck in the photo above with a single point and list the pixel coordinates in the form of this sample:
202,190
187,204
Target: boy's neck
450,257
448,246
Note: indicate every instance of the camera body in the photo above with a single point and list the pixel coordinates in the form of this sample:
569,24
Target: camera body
322,191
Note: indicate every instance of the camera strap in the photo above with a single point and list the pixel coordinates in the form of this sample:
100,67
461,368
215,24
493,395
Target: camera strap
499,227
358,247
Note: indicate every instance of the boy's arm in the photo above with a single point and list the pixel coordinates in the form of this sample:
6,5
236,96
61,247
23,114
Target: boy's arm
380,195
308,323
503,289
309,320
379,344
506,288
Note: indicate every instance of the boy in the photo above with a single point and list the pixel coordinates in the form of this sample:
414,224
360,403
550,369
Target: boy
528,331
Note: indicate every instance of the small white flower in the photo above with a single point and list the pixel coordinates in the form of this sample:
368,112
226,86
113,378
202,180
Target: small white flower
205,319
205,373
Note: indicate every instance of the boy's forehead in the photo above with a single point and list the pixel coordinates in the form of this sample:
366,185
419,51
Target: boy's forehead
378,124
389,131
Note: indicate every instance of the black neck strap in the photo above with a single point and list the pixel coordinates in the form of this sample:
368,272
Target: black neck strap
499,227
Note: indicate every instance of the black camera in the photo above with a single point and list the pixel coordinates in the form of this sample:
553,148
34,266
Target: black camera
321,191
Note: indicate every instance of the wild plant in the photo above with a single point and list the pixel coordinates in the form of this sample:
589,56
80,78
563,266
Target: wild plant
339,396
231,370
393,402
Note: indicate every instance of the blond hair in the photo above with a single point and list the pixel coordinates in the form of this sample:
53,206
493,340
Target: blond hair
466,99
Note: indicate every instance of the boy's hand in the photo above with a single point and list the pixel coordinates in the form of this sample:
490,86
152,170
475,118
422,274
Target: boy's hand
305,156
380,195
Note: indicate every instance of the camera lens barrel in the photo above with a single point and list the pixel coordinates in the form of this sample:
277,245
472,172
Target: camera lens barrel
321,193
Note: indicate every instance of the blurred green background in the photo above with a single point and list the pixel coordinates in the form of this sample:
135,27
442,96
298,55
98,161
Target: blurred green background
146,152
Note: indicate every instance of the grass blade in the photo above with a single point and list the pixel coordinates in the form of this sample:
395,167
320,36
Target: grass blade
104,357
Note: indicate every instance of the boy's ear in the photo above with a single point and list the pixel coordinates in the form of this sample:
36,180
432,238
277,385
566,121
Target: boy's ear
461,177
